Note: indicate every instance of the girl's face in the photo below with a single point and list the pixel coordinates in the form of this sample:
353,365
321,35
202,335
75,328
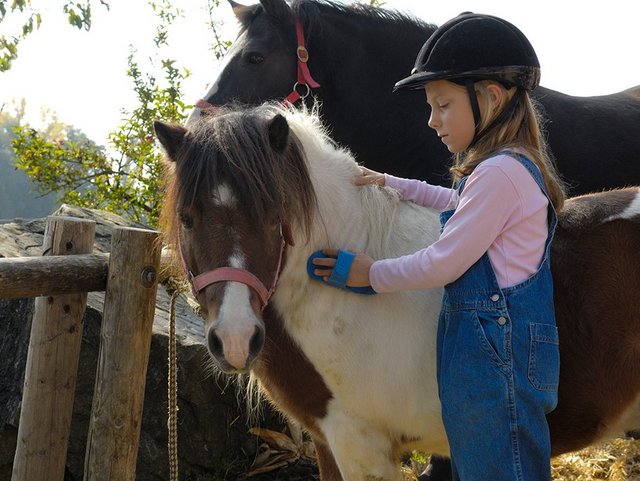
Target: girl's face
451,114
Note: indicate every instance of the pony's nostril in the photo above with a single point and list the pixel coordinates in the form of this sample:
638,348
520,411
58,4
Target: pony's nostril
256,342
215,344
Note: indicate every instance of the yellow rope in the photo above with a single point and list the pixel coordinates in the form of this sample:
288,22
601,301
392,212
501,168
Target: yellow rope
172,385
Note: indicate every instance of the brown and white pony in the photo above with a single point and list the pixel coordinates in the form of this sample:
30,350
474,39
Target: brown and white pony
256,191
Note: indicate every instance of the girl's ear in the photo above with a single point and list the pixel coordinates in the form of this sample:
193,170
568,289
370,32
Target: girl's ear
495,95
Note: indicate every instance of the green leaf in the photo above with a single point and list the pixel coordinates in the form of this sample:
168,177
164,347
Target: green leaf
126,179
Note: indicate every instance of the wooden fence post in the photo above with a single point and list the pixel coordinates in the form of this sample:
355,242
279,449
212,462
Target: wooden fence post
52,364
116,416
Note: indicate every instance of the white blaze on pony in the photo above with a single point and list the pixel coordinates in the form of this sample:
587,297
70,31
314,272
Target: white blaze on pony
359,372
235,323
223,196
231,322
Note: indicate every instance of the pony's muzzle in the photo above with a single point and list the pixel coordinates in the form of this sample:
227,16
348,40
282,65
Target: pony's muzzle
235,352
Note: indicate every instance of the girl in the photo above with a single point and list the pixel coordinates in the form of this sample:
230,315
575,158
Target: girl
498,360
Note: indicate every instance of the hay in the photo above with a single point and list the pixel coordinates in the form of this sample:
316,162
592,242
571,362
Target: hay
616,460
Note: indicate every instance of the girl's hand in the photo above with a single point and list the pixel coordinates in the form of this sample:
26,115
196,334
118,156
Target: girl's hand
369,177
358,274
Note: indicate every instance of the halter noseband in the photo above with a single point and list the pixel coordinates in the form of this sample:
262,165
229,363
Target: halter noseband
224,274
303,85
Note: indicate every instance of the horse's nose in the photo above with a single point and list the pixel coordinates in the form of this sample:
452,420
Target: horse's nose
256,343
215,344
236,352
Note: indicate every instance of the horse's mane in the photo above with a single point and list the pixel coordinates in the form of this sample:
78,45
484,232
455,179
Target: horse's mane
308,10
332,168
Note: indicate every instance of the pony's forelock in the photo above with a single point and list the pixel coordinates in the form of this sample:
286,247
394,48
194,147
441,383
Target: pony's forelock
233,148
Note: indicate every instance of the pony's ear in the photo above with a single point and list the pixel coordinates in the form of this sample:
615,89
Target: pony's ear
278,133
171,136
287,233
276,8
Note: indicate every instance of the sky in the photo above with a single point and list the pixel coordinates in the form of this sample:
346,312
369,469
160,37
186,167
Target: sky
585,48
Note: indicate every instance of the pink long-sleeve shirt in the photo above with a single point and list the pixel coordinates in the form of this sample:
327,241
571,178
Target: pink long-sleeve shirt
501,211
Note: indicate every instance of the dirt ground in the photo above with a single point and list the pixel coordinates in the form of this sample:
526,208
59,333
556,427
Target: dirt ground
301,470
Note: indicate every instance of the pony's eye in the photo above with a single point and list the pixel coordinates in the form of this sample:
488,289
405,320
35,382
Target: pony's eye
255,58
186,220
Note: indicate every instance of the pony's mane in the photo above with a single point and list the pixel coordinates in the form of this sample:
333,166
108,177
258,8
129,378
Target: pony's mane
308,10
332,169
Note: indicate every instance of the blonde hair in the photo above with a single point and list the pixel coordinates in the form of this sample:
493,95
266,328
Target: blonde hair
522,130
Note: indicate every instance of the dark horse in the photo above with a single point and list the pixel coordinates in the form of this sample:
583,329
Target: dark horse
356,53
252,193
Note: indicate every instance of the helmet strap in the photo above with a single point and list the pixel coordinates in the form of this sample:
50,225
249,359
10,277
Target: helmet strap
502,116
470,85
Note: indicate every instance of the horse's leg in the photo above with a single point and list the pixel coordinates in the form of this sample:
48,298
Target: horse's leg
326,462
362,453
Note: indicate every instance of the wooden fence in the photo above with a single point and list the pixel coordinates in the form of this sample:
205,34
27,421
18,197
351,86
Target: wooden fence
60,280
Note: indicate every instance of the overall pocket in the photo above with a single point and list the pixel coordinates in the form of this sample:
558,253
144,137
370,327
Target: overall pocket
493,332
544,357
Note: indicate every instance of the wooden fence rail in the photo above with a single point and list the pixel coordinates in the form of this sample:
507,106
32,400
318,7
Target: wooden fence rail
22,277
52,275
60,280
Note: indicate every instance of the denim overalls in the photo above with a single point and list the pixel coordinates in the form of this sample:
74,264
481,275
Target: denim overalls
498,368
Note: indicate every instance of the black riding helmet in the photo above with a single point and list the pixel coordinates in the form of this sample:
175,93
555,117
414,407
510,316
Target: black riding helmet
477,47
473,47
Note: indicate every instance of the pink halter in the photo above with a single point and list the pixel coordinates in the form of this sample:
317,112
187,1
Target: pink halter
224,274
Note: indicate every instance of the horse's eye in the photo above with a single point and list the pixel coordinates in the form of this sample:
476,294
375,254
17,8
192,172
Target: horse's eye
255,58
186,220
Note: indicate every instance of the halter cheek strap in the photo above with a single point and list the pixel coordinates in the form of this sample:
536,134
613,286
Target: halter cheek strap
304,75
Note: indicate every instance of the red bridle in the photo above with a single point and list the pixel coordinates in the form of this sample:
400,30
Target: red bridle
304,75
224,274
302,87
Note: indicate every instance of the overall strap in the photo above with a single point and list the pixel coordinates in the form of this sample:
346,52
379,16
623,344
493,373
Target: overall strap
524,160
460,184
537,176
530,166
552,218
